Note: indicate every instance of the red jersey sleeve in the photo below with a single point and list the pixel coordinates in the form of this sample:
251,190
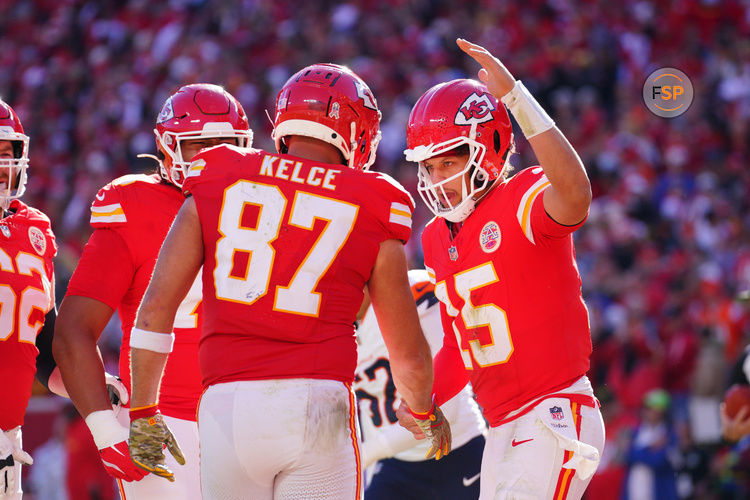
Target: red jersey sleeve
107,210
536,224
450,374
105,269
397,210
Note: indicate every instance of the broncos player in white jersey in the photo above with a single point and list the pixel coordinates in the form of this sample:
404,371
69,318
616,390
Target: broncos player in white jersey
395,460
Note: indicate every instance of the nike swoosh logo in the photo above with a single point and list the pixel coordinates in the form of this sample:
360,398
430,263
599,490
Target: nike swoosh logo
100,198
515,443
469,481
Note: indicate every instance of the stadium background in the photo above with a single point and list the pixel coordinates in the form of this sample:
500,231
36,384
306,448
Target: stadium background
663,256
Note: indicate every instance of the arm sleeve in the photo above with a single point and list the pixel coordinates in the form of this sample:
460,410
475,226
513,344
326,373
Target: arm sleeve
105,270
450,373
45,363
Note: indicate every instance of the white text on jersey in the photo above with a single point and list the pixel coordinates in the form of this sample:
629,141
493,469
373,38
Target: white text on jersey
317,176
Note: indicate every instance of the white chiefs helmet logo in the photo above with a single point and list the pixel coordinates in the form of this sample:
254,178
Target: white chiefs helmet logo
167,112
475,109
365,94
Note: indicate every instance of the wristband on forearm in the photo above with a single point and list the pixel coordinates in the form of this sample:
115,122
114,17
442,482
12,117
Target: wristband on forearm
529,114
428,415
151,341
144,412
105,429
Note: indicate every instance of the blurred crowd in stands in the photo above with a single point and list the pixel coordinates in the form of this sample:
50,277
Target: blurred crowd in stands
666,249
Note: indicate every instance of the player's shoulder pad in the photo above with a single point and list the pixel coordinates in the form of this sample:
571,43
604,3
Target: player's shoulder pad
40,230
110,205
213,161
531,176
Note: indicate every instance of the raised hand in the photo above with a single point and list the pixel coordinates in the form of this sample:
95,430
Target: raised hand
494,74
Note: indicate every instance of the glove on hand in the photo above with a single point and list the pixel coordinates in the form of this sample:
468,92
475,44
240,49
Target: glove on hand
148,435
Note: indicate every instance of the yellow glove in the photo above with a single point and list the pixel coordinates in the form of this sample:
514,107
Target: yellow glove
437,429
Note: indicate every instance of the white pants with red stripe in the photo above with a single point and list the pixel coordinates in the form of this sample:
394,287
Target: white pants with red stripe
279,439
186,485
549,453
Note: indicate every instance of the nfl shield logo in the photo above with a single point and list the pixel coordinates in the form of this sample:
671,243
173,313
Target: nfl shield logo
556,412
5,230
453,253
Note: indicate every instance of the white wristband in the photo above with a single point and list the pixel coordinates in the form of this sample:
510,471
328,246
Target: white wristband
151,341
105,428
530,116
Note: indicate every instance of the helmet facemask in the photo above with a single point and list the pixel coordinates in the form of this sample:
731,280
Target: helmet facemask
15,167
171,144
433,194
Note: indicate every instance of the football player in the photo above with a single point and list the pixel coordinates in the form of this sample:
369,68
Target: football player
735,428
500,252
131,216
27,299
394,458
287,242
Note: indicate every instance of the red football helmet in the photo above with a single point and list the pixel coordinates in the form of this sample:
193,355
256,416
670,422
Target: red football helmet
200,110
450,115
331,103
11,130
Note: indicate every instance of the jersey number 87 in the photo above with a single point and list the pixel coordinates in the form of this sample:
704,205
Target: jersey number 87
299,297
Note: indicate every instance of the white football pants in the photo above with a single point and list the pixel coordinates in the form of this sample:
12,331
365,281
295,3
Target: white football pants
279,439
549,453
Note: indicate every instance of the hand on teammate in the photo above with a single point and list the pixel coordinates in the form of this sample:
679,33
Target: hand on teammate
431,425
148,436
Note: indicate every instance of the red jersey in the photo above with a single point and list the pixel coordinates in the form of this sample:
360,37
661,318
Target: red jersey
27,247
289,245
511,298
131,217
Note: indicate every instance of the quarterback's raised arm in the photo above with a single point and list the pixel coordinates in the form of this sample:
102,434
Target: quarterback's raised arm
568,198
